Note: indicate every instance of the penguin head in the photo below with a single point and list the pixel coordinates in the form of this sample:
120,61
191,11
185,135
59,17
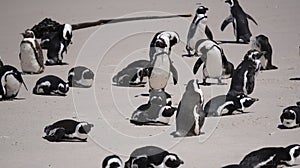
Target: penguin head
288,118
173,37
294,152
201,14
232,2
254,55
163,41
63,88
241,101
193,85
172,161
87,74
85,128
28,34
112,161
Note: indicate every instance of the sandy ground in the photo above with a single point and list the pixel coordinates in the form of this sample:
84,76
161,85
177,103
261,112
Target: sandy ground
109,48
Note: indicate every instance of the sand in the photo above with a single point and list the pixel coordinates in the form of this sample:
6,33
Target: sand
109,48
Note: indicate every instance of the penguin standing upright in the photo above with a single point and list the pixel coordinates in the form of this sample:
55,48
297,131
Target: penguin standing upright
57,43
31,54
290,117
198,30
190,116
239,20
214,59
153,156
10,82
161,66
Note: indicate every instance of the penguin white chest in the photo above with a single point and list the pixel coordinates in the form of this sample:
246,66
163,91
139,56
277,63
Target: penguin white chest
28,59
12,86
213,65
160,72
199,34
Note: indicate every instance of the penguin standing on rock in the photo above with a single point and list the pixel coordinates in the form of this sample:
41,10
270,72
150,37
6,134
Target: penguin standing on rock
152,156
239,19
56,44
10,82
80,76
31,54
51,85
112,161
290,117
190,116
198,30
67,129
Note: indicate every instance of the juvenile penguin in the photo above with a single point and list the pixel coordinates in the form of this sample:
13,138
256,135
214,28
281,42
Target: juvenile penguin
80,76
157,111
243,79
133,74
190,116
161,66
239,19
112,161
223,104
214,59
290,117
10,82
56,44
272,157
198,30
31,54
154,156
51,85
262,44
67,129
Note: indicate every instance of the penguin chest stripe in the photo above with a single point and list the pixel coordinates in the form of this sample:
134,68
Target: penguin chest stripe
196,117
265,162
221,108
245,82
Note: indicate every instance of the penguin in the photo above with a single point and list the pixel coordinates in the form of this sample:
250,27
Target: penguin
10,82
198,30
67,130
31,54
262,44
80,76
226,104
51,85
153,156
161,66
272,157
243,79
133,74
159,36
290,117
239,20
215,62
157,111
190,116
56,44
112,161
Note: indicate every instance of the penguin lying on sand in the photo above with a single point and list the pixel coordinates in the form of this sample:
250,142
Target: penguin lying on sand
80,76
51,85
10,82
67,130
157,111
290,117
152,156
270,157
112,161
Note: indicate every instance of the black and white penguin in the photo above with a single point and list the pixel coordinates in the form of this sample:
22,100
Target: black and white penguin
56,44
112,161
198,30
161,65
133,74
243,79
31,54
51,85
157,111
67,129
80,76
153,156
290,117
10,82
262,44
216,65
272,157
226,104
239,20
190,116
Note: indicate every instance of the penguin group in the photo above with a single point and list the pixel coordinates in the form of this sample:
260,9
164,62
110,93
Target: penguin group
192,110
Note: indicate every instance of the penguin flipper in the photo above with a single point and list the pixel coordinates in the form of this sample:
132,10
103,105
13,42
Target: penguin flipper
208,33
197,65
228,20
174,73
251,18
